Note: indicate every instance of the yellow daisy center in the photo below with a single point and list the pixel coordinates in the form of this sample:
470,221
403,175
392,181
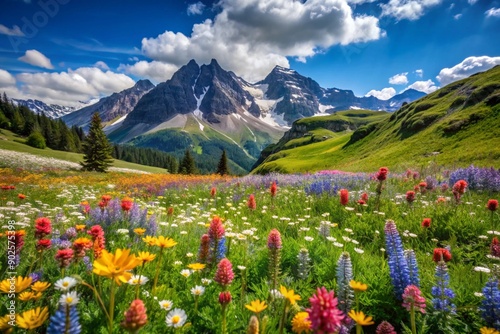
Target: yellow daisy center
176,319
69,299
65,284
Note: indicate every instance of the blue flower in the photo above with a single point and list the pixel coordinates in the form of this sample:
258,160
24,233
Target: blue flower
490,307
412,267
442,294
398,265
58,323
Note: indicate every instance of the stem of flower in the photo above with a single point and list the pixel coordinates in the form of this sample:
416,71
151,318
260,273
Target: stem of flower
283,316
157,270
68,323
412,319
359,329
224,331
111,306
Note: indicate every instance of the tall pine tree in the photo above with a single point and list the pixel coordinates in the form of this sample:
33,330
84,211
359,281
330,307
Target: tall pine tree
96,148
187,165
222,168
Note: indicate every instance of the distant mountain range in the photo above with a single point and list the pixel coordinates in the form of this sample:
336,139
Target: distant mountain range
50,110
207,103
456,125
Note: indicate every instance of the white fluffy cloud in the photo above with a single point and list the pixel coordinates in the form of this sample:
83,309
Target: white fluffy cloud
68,88
466,68
407,9
36,58
15,31
457,17
472,2
156,71
6,79
419,72
493,12
250,37
399,79
102,65
196,8
384,94
427,86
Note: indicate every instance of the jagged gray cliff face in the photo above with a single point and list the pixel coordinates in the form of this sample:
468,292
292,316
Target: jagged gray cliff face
111,107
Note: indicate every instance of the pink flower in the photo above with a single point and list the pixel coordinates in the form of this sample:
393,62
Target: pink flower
412,298
224,274
385,328
216,229
274,239
225,298
410,196
324,315
135,316
495,247
64,256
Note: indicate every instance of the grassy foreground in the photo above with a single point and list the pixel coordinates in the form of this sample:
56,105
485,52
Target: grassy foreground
280,246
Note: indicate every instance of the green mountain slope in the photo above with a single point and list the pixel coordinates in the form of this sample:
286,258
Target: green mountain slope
455,126
242,145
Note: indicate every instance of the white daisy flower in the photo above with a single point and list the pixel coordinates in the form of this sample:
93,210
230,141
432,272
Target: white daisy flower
176,318
166,304
198,290
138,280
69,299
66,283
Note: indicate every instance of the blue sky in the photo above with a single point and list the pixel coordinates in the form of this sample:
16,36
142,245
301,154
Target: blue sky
65,51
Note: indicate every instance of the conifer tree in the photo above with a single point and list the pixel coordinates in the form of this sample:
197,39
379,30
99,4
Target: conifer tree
96,148
222,168
187,165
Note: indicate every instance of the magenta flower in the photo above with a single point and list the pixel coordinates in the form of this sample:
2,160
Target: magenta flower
324,315
274,240
412,298
224,274
216,229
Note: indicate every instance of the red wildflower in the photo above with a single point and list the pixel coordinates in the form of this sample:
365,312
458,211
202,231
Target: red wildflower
426,222
441,254
103,204
21,196
170,211
225,298
412,298
492,205
127,203
344,197
410,196
43,244
382,173
364,197
274,189
274,239
106,198
409,173
441,200
213,192
135,316
18,240
216,229
460,186
43,227
495,247
422,185
204,248
361,202
252,205
81,245
324,315
224,274
444,187
98,239
416,175
64,257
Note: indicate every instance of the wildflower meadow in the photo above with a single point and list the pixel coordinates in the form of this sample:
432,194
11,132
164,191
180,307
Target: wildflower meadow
330,252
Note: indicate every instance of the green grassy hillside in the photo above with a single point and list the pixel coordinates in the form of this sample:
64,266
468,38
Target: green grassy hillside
455,126
12,142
